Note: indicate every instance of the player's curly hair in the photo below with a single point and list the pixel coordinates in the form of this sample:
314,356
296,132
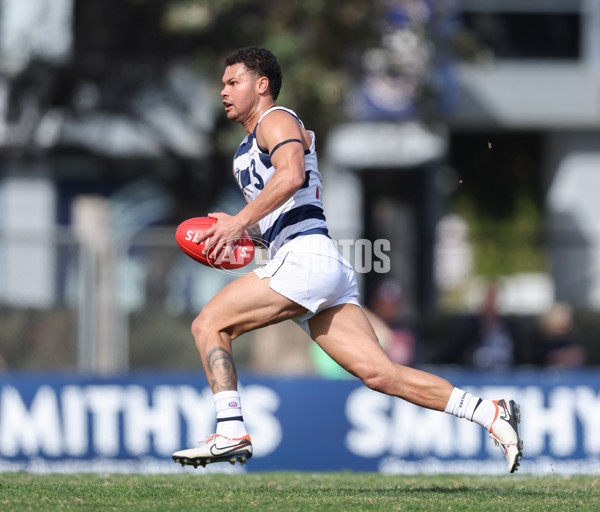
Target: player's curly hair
260,61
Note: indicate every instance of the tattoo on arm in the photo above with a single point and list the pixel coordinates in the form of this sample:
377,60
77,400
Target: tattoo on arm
255,234
222,375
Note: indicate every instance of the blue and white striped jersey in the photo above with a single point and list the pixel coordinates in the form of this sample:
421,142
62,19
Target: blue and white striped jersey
303,213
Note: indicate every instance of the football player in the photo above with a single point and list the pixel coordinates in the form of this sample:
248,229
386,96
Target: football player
305,278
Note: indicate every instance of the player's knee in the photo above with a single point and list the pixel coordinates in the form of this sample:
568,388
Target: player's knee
201,326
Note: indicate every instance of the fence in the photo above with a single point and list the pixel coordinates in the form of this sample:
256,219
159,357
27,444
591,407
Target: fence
68,304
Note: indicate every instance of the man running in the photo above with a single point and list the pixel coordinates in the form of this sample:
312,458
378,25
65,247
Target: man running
305,279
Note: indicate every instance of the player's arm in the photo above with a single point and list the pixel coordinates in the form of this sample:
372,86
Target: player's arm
282,136
288,160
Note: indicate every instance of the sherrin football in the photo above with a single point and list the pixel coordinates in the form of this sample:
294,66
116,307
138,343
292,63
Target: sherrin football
243,247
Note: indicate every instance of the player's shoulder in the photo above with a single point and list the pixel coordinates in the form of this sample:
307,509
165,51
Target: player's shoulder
277,125
278,115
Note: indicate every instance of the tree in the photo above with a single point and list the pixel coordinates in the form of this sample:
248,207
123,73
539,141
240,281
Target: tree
128,49
319,44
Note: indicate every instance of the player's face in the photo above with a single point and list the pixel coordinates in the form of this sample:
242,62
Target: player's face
239,92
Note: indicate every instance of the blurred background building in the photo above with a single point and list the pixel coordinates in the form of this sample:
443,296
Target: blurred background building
464,134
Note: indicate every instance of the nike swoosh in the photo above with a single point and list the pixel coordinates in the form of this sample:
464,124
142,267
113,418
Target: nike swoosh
504,413
215,450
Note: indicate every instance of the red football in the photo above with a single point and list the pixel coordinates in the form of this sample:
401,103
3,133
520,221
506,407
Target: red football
243,247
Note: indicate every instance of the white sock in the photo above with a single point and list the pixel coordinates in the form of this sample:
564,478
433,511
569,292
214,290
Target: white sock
230,422
473,408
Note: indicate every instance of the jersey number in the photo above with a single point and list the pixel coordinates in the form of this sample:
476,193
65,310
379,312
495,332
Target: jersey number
259,184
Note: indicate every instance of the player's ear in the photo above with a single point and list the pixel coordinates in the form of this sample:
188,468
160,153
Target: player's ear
263,85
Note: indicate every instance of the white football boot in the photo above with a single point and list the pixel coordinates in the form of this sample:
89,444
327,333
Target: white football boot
504,432
216,448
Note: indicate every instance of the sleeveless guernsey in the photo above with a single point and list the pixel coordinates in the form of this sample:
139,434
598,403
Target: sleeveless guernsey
302,214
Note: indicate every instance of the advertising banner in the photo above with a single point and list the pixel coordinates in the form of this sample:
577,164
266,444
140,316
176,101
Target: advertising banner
134,422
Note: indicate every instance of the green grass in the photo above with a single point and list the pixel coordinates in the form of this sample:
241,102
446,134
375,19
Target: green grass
297,491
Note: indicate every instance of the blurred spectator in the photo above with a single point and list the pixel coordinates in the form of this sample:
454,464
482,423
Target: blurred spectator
395,334
483,340
554,343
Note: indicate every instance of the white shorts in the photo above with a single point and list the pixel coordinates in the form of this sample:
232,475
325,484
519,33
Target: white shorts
310,271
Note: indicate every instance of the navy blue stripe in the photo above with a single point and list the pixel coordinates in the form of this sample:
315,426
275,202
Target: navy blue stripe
232,418
253,136
245,177
291,217
243,148
313,231
266,160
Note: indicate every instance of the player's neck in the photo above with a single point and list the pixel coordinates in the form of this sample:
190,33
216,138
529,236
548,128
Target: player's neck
250,124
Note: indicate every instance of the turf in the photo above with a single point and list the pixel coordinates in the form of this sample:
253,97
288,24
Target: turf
297,491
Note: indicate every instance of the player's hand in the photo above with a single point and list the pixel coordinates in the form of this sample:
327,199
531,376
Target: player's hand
224,233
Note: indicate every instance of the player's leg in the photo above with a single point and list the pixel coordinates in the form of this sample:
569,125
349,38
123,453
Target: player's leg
243,305
346,335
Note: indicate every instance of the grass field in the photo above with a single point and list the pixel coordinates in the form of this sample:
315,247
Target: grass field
297,491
